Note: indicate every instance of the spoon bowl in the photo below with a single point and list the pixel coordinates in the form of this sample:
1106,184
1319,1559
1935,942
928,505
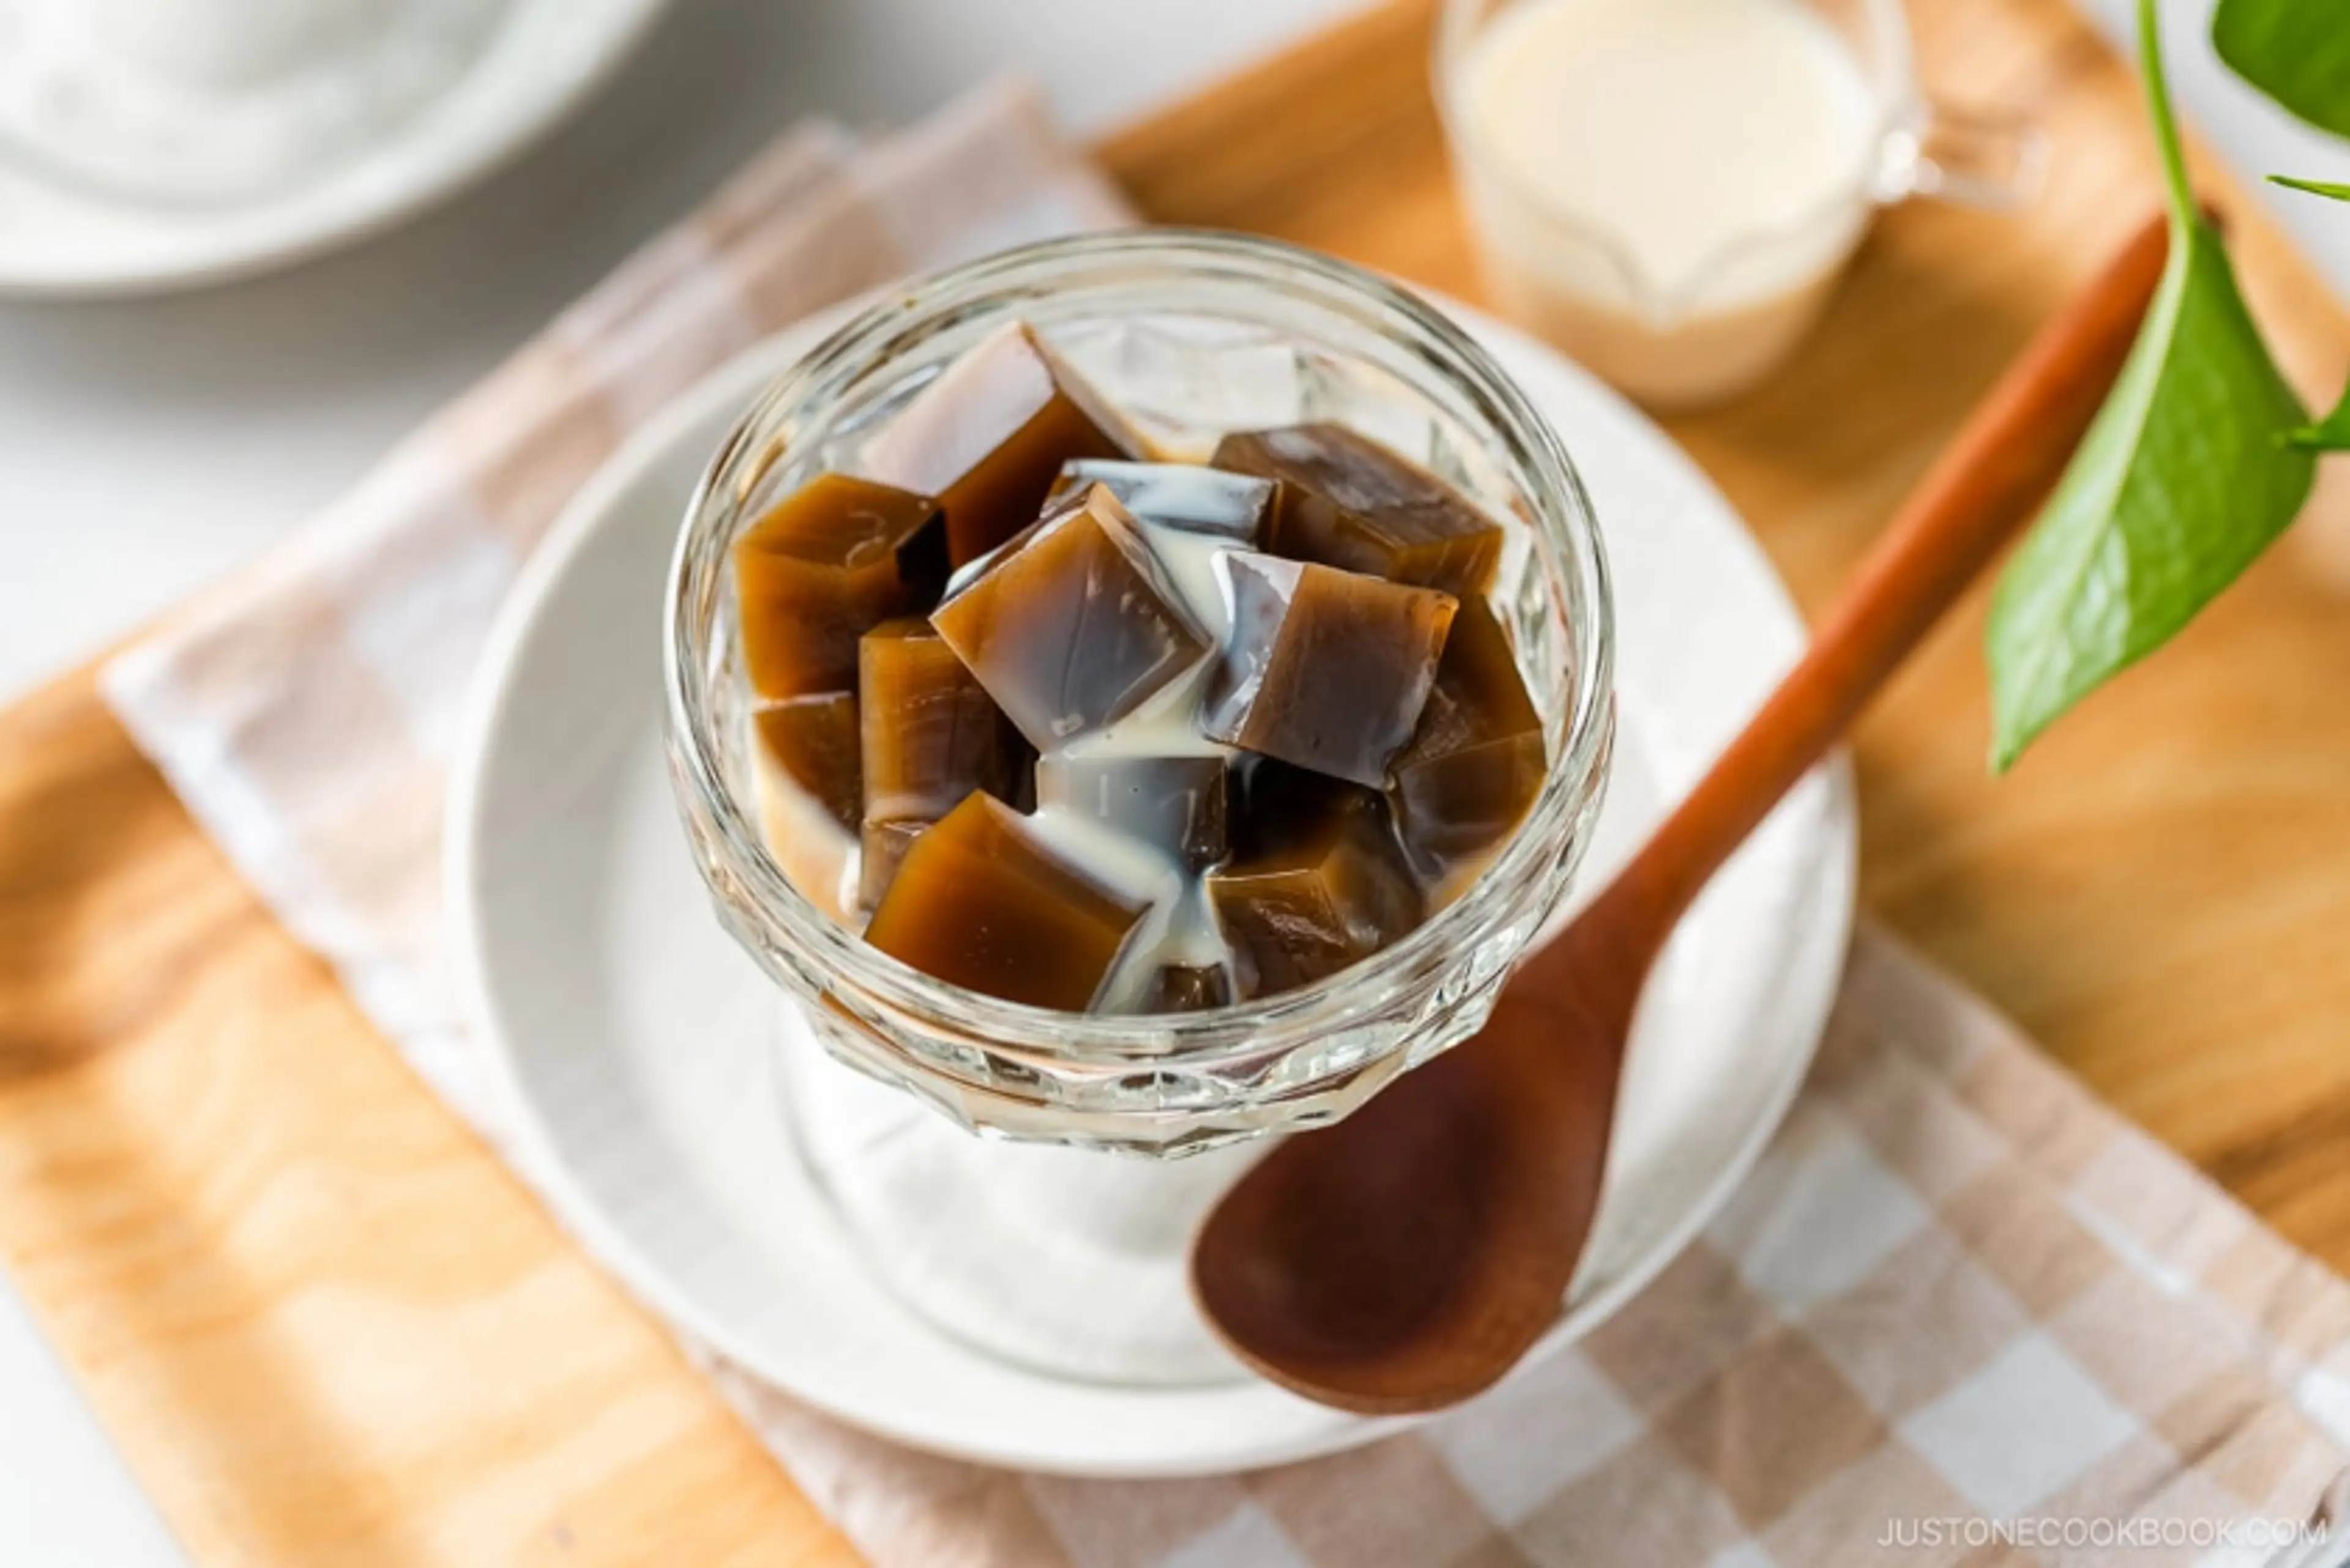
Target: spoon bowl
1383,1263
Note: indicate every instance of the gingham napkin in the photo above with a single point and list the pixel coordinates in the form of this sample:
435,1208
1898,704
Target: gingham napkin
1960,1315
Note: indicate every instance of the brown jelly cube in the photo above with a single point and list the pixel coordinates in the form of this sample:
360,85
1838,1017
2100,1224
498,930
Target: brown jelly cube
883,850
1346,501
990,435
1323,667
931,734
980,903
815,740
1478,758
1184,495
1071,625
1180,806
827,562
1320,883
1188,988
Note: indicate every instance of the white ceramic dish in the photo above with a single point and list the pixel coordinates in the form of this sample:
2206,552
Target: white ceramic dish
64,240
636,1039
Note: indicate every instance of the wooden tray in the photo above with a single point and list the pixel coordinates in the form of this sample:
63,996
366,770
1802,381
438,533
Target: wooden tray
327,1328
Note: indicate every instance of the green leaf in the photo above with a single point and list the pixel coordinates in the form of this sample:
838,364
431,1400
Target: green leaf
2296,51
2314,187
2183,479
2330,433
2186,476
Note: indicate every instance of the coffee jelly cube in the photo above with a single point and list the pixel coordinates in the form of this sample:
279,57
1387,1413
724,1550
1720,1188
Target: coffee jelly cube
1071,625
1182,495
1320,882
827,562
1322,668
1188,988
815,740
981,903
990,435
1346,501
1178,806
1478,758
931,734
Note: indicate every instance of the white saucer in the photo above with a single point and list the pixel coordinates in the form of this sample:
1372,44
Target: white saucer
635,1037
65,240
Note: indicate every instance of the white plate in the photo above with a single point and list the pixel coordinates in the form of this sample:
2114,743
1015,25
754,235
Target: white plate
635,1034
544,57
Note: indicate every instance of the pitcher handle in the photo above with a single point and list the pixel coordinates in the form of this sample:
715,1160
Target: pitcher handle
1986,159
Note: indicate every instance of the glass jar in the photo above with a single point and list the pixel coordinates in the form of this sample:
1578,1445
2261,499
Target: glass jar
1191,334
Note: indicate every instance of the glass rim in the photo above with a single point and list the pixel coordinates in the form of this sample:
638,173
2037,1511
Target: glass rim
1577,570
1899,113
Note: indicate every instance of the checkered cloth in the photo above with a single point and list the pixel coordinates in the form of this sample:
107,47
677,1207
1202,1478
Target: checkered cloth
1960,1314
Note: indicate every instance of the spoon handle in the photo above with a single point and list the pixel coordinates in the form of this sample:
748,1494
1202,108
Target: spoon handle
1978,493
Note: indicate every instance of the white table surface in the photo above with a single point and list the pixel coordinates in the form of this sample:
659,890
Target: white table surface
147,447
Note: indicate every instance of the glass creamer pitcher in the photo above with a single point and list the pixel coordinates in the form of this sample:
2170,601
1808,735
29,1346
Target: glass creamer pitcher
1569,122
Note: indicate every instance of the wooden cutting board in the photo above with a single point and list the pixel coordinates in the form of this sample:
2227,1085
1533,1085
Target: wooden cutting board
327,1328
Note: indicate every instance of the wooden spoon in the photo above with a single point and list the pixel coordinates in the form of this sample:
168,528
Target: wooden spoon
1406,1258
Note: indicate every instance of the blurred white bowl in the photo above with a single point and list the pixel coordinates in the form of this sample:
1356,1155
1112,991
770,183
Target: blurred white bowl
62,237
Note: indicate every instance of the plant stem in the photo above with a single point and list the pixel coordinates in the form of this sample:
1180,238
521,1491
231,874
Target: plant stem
2166,124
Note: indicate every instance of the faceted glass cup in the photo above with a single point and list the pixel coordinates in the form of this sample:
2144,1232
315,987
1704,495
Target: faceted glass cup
1192,335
